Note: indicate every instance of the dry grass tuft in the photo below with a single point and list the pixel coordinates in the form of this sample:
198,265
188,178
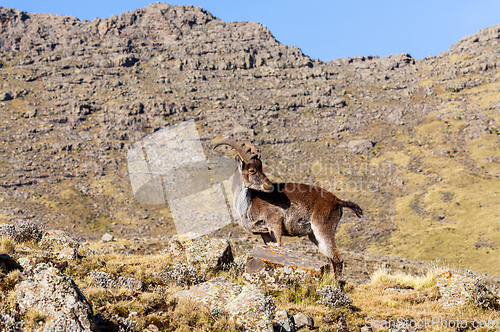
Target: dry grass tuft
34,319
7,246
382,275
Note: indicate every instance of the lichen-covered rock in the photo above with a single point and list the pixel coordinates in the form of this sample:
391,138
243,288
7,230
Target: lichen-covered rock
458,290
277,267
282,322
246,305
29,263
201,251
55,295
249,310
215,292
57,239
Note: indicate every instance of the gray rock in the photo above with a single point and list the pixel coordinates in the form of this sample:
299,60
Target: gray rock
107,237
55,295
5,96
68,253
203,251
302,320
458,290
215,292
57,239
275,267
246,305
282,322
249,311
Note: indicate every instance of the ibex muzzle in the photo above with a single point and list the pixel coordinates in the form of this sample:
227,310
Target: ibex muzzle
273,210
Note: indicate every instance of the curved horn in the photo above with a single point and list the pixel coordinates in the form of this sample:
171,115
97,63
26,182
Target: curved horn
246,149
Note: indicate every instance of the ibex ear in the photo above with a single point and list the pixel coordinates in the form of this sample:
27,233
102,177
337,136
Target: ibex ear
239,162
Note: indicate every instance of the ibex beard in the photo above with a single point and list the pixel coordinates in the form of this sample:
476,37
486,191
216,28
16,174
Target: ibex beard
273,210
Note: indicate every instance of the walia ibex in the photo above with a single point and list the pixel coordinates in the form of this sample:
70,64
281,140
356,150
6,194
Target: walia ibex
273,210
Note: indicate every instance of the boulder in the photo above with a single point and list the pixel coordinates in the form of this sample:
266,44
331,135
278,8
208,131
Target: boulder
458,290
5,96
57,239
213,293
201,251
283,322
55,295
246,305
302,320
126,60
249,310
275,267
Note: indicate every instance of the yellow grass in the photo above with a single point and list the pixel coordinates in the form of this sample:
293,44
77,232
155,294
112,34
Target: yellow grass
382,275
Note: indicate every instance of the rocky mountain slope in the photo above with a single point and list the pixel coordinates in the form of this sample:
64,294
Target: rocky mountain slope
414,142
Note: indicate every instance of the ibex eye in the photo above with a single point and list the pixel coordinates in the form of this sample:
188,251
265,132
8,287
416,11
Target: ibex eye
251,171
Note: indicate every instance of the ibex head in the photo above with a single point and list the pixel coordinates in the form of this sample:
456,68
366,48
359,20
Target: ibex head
249,165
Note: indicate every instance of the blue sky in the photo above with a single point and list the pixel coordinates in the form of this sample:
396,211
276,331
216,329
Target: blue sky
324,29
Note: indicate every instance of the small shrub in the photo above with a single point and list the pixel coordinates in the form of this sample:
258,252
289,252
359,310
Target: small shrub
24,230
481,296
102,279
333,296
269,306
237,266
34,319
28,230
126,324
184,275
10,280
8,231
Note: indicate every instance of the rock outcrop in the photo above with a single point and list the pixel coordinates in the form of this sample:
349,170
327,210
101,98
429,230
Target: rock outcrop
245,304
55,295
278,267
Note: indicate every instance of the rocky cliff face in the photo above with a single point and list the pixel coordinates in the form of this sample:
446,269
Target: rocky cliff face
414,142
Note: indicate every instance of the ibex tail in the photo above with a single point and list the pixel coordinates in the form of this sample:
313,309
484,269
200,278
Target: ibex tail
353,206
